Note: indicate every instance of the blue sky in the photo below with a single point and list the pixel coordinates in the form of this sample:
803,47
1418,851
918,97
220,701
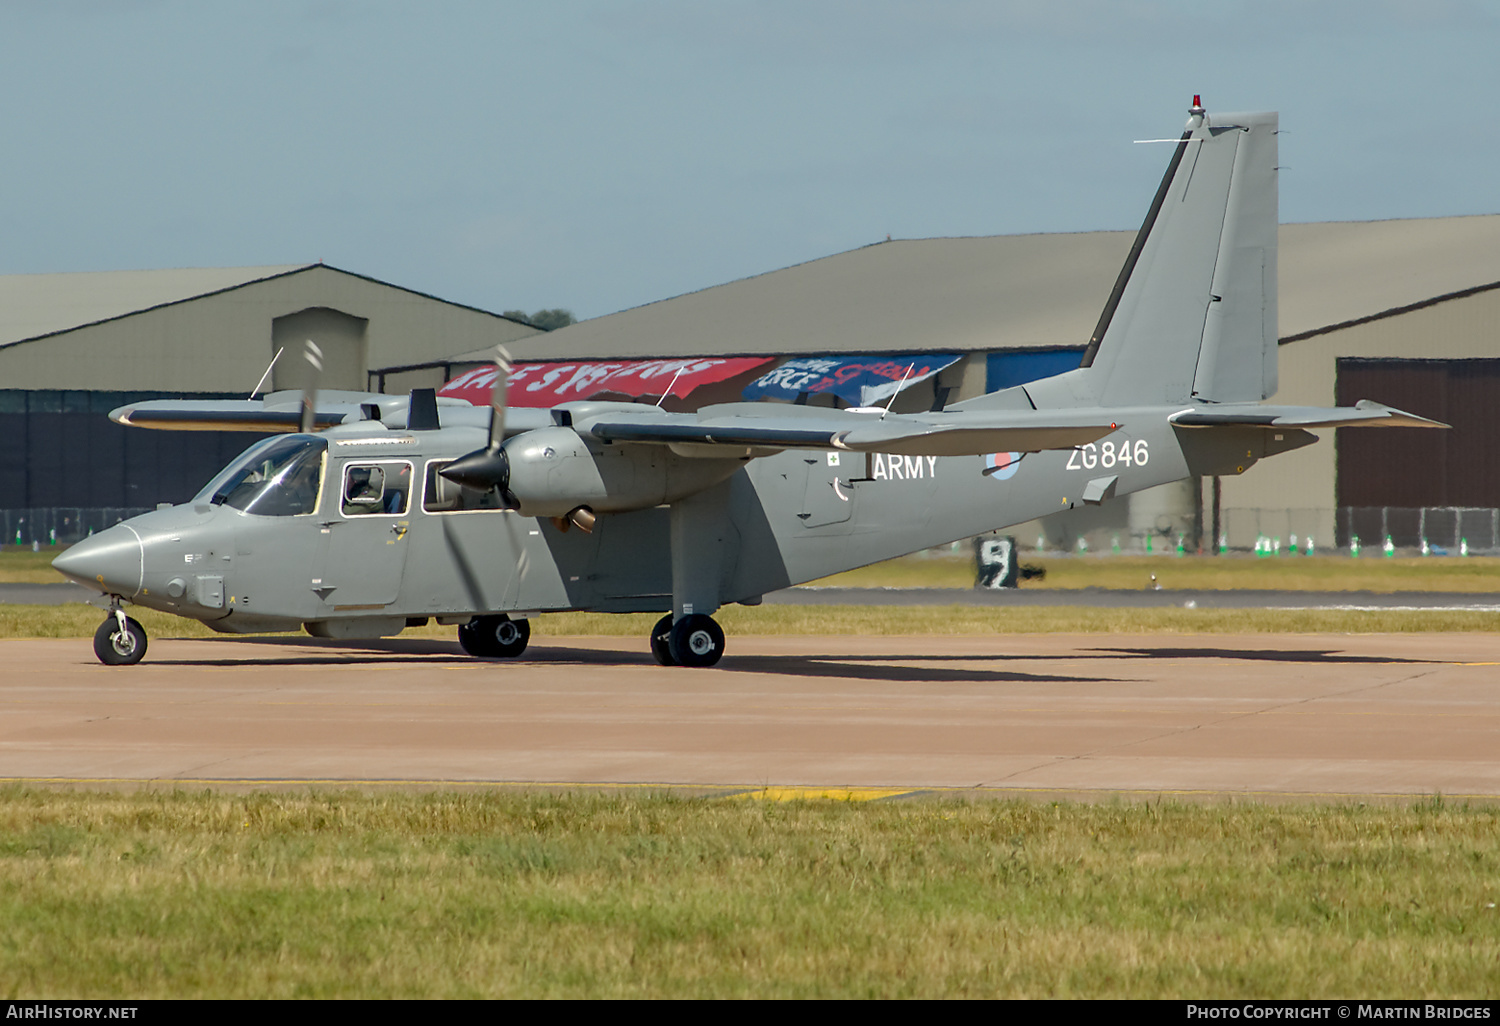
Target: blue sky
599,155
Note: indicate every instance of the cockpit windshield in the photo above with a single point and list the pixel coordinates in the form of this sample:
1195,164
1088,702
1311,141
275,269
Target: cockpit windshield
279,477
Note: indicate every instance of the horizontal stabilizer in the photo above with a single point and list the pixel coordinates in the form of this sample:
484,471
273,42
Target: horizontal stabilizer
1362,414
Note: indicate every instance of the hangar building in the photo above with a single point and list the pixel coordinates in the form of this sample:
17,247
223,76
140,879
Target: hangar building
75,346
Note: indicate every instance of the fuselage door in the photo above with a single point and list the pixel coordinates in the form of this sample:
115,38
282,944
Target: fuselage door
828,497
367,528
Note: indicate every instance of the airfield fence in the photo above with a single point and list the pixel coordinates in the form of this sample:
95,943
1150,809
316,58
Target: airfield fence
61,524
1448,528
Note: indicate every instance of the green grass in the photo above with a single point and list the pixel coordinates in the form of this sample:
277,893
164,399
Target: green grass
1297,573
1293,573
80,621
22,566
506,894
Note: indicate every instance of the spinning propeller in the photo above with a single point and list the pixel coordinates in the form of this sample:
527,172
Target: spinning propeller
314,357
489,467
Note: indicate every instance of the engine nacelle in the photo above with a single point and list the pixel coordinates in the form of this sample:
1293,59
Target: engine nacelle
554,470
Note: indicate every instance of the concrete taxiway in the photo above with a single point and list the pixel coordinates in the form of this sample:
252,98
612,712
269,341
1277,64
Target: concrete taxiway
1257,715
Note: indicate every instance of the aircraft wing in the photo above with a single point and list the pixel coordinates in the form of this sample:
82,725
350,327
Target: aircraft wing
222,415
1362,414
282,412
778,426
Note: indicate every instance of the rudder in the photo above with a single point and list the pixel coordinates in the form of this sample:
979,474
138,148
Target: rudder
1192,316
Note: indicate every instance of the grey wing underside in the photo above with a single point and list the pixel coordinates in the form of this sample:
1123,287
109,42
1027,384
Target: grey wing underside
765,426
715,431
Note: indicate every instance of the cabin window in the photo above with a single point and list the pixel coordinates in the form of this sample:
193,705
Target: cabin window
444,496
279,477
376,488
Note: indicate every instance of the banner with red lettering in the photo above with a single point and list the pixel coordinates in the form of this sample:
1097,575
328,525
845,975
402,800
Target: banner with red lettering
547,384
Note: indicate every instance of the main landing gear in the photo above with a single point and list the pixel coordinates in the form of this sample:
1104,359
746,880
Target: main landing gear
120,640
494,637
694,640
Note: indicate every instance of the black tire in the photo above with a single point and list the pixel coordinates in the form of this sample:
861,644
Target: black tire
696,640
115,648
661,647
494,637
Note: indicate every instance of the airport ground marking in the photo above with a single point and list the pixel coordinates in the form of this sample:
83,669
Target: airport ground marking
790,792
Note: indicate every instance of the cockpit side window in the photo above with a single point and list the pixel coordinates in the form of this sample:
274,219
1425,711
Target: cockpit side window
376,488
279,477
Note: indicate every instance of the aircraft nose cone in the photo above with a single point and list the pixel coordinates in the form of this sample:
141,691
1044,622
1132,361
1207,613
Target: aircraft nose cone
111,561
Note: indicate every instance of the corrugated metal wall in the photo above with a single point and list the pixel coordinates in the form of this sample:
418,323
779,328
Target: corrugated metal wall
1415,467
60,449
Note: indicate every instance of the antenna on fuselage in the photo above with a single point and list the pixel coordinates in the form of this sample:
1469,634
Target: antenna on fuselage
672,385
909,368
267,374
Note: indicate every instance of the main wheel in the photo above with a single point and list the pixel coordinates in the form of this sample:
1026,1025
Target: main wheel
696,640
494,637
661,647
115,647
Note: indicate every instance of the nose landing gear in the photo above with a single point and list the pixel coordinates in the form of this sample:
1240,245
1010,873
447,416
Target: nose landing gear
120,640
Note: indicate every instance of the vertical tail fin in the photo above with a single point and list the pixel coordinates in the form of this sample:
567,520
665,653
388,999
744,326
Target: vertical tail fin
1192,316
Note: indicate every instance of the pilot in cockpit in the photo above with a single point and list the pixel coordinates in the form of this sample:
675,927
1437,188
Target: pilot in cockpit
362,490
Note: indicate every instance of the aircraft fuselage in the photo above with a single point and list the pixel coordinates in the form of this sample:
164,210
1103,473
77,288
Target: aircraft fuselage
352,565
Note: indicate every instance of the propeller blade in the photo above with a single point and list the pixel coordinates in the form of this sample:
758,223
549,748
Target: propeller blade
489,467
314,357
497,398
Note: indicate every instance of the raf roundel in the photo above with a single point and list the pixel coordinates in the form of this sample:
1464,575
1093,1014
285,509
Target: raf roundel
1001,465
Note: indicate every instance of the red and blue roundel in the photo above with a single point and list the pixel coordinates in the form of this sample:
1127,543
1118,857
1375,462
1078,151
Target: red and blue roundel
1001,465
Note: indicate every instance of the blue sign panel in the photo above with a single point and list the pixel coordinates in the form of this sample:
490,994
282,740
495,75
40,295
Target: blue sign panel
1018,366
858,380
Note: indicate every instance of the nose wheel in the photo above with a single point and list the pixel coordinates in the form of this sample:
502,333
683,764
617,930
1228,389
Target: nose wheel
494,637
120,640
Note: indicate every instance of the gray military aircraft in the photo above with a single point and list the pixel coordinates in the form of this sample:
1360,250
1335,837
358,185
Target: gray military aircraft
371,513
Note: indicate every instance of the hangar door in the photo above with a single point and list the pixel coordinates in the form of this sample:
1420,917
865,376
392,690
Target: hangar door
340,337
1415,468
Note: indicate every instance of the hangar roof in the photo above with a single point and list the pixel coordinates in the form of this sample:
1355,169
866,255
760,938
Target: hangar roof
34,306
964,294
1339,271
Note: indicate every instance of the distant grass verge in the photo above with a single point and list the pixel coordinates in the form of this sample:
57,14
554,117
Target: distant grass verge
22,566
80,621
1212,573
507,894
